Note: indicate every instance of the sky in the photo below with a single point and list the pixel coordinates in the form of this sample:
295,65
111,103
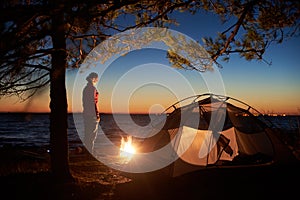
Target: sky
142,81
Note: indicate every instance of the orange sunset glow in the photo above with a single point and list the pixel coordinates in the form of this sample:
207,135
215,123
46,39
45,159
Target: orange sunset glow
137,104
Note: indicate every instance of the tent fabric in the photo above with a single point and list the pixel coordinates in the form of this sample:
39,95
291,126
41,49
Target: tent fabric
212,131
250,144
200,147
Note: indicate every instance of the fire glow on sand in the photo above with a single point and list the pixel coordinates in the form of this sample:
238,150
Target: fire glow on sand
126,149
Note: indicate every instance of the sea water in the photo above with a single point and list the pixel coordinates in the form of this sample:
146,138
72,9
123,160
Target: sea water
32,130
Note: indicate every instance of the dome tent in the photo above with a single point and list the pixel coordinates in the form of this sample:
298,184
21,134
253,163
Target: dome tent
211,130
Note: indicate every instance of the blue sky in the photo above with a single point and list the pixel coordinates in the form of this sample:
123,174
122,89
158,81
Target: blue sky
267,88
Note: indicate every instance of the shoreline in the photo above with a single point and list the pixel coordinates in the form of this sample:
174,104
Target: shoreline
25,172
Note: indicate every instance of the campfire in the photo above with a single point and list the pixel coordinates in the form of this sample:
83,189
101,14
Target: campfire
126,148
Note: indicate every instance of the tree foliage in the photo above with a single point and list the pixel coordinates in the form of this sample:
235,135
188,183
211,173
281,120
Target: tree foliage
27,42
183,52
254,25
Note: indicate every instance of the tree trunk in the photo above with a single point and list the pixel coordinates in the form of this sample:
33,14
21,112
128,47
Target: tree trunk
58,103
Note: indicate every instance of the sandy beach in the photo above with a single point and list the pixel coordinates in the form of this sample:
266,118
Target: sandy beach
25,174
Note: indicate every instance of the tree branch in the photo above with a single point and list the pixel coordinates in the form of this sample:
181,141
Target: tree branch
234,32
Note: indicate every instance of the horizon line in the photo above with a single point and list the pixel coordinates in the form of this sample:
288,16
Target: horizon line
133,113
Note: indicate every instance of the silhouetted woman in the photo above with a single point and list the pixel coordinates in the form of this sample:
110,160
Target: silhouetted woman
91,114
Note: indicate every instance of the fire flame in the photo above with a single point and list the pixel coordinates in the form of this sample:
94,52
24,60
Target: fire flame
126,148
